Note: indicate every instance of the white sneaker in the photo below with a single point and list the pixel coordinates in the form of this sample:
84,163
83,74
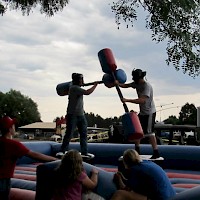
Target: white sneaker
88,156
59,154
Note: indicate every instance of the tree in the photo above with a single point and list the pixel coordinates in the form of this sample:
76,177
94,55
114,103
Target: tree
21,107
48,7
93,119
188,114
171,120
176,21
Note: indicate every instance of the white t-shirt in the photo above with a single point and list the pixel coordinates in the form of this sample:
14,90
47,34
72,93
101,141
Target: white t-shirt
145,89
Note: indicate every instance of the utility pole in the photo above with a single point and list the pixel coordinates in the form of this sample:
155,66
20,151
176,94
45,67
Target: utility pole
161,108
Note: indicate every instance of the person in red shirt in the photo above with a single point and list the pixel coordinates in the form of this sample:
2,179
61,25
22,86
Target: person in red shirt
10,151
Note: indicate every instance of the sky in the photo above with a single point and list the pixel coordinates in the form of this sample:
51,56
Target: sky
37,53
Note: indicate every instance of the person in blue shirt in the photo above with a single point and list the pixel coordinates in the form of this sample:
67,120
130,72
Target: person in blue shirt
146,180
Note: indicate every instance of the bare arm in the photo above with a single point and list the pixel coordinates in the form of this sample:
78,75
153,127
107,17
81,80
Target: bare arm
40,156
91,183
90,90
118,180
123,85
140,100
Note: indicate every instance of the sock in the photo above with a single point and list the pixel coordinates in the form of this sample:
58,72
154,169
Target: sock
156,153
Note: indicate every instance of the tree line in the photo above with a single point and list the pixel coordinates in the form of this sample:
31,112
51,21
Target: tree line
25,110
187,116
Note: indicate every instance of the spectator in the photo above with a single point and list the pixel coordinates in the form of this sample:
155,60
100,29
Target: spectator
71,178
146,180
10,151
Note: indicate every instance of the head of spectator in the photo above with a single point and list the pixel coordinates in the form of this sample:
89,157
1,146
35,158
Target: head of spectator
7,125
130,158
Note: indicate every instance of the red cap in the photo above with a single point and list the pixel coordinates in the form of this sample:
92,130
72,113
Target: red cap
6,122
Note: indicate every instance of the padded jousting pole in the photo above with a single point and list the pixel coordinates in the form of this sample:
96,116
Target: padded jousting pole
130,121
109,66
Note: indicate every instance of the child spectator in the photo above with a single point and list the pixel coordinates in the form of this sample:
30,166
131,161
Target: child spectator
71,179
10,151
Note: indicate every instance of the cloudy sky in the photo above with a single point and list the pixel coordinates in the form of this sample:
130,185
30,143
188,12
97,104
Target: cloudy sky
39,52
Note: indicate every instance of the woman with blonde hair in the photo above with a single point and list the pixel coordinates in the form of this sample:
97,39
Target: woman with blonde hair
71,178
146,180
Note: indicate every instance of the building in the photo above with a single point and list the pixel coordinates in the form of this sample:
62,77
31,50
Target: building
40,129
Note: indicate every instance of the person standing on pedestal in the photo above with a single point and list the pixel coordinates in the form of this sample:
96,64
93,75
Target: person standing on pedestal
75,117
146,104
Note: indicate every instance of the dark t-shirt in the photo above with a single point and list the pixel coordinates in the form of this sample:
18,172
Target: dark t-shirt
75,104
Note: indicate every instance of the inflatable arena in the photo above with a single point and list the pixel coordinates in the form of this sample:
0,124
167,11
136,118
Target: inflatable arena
34,180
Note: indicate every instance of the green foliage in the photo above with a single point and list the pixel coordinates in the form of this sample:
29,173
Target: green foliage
48,7
100,122
93,119
172,120
178,22
188,114
21,107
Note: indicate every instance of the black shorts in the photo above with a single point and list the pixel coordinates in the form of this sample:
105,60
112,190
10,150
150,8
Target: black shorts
147,123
